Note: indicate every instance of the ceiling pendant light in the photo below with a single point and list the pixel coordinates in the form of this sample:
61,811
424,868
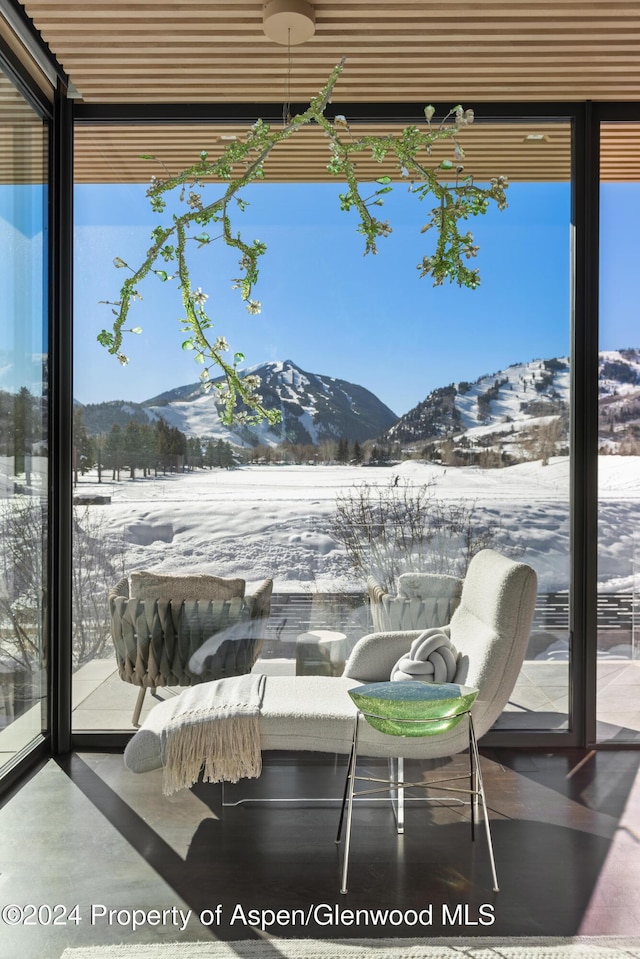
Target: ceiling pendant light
288,22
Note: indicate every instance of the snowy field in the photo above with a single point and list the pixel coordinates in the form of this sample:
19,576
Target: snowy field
260,521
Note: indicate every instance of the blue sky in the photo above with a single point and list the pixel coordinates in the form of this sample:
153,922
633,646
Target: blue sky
325,306
619,249
328,308
23,284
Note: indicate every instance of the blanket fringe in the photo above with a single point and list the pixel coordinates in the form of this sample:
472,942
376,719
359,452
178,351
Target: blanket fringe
226,750
214,727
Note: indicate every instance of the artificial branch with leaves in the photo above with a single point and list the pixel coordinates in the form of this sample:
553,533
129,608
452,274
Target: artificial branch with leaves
242,162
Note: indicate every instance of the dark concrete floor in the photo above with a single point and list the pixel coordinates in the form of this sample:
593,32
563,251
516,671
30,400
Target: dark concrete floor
84,831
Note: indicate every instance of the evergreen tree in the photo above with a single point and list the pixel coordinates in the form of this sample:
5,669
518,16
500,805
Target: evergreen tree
147,447
24,427
342,455
113,451
177,446
222,455
162,443
100,442
131,447
6,419
83,446
195,454
226,456
171,445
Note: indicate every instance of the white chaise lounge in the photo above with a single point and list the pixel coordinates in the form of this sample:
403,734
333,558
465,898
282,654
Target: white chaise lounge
489,629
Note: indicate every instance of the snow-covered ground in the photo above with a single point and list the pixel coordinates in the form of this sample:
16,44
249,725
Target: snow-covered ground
260,521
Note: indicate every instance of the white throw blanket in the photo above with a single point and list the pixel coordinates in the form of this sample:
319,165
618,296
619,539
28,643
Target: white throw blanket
216,726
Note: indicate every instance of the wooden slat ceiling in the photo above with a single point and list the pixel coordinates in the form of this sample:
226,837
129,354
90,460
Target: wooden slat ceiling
397,50
23,154
620,152
112,154
449,51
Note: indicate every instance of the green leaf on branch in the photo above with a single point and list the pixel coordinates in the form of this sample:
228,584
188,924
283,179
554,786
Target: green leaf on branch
105,338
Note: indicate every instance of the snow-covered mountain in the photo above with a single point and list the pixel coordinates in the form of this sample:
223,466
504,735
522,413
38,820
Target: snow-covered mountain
619,401
522,409
519,412
496,405
314,408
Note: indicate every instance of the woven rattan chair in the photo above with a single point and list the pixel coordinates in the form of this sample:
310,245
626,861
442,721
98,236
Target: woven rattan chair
178,641
424,600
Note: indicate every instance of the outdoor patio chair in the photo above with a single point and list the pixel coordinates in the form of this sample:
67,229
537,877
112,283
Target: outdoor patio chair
423,600
183,630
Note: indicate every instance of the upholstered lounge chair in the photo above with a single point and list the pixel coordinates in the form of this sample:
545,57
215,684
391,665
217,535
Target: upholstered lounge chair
489,629
182,630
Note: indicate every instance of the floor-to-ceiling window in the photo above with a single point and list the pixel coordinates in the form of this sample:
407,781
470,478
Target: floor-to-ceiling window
23,423
399,400
618,666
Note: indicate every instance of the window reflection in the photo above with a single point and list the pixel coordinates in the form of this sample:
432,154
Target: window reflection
23,423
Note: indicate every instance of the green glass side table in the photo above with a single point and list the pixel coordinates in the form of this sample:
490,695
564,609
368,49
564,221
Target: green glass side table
412,709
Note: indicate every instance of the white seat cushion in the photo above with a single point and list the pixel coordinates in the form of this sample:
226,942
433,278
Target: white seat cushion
300,713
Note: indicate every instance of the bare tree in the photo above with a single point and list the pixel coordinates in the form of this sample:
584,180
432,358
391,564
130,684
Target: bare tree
22,582
98,561
544,440
388,530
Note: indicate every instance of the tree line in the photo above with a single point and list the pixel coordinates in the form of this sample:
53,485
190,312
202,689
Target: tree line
23,425
341,451
149,448
145,449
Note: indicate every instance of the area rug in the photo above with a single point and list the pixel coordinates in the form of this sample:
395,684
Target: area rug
485,948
